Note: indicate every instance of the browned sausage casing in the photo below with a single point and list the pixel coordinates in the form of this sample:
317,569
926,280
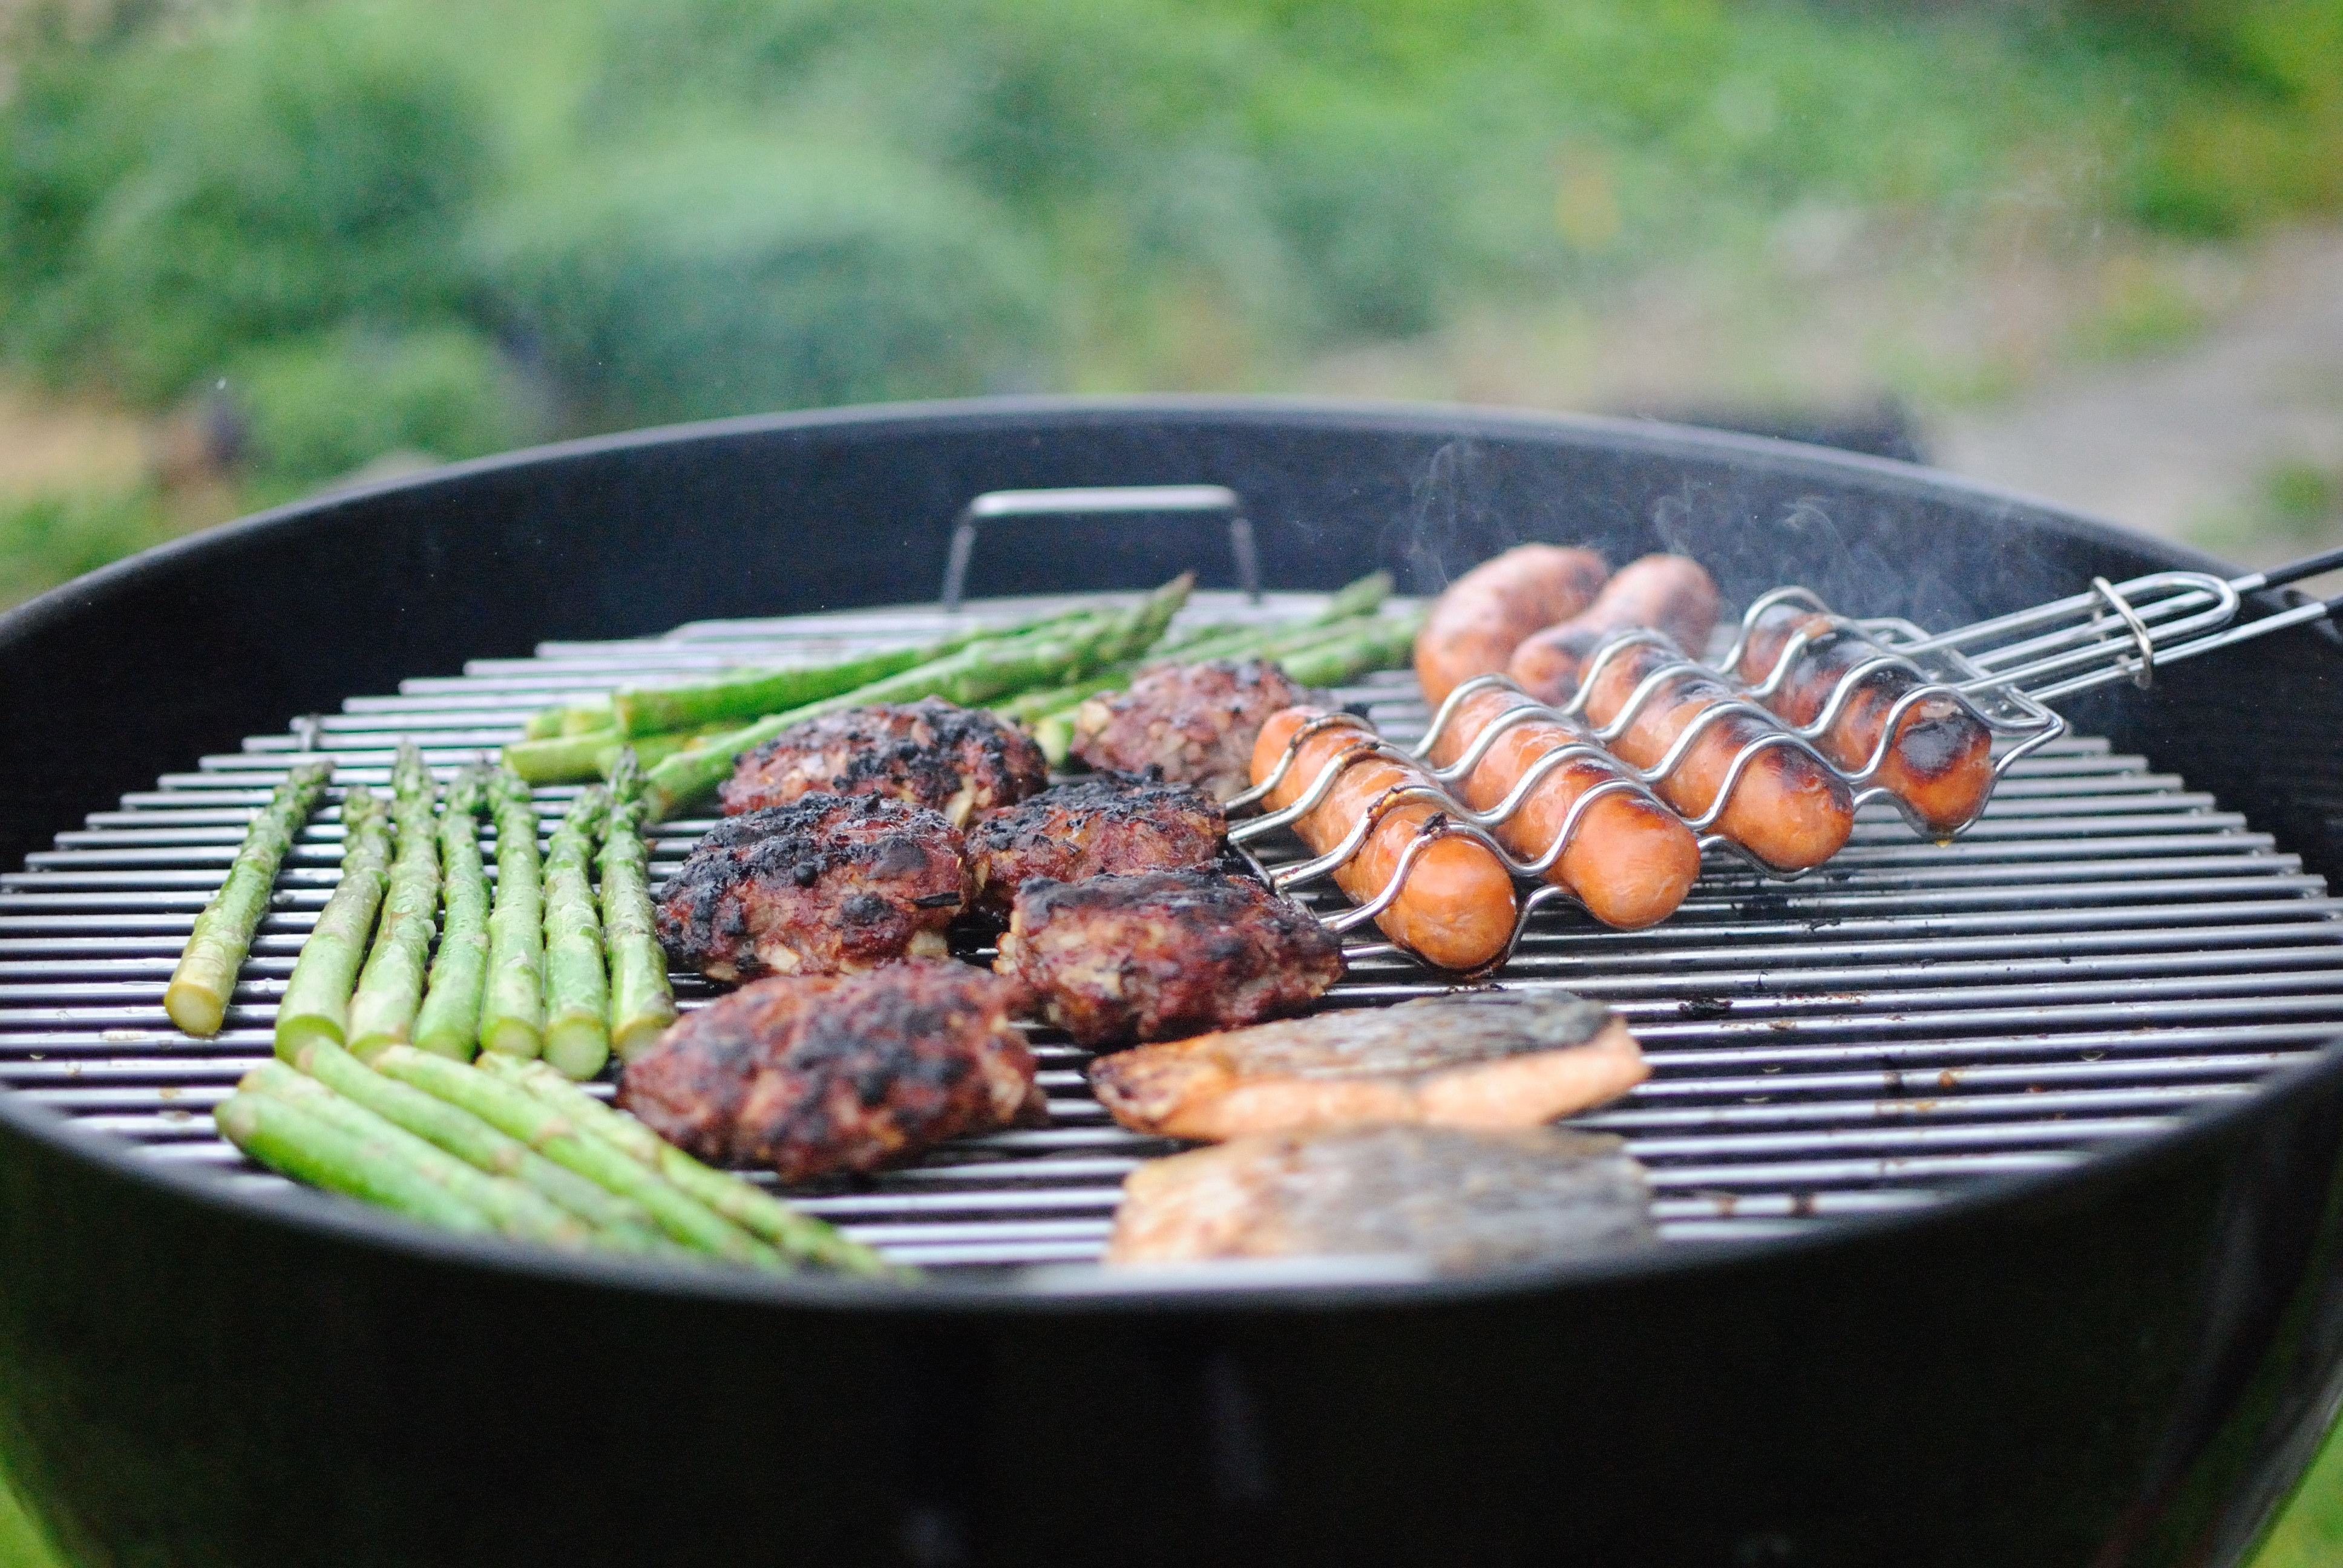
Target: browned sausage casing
1484,615
1672,594
1456,908
1786,809
1941,764
1631,862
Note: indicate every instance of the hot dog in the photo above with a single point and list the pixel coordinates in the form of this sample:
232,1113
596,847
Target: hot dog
1786,807
1455,908
1629,861
1671,593
1484,615
1941,762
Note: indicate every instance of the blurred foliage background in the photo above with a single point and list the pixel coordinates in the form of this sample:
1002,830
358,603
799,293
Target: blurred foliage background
266,245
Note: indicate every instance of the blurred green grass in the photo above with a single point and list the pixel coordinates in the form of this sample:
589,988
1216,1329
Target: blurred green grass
2308,1534
22,1542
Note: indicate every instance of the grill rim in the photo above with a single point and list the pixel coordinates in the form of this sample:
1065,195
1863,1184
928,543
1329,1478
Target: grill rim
1653,436
325,1217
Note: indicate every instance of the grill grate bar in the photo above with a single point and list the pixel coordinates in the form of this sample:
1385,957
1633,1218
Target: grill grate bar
2106,952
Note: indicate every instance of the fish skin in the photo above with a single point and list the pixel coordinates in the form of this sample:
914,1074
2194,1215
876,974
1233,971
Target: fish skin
1473,1059
1457,1199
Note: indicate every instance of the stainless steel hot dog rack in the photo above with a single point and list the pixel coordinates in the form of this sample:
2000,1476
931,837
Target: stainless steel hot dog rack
2003,672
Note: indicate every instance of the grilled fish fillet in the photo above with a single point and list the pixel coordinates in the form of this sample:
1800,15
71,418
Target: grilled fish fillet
1459,1199
1471,1059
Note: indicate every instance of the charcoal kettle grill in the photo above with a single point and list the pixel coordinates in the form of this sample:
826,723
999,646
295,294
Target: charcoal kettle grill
1999,1180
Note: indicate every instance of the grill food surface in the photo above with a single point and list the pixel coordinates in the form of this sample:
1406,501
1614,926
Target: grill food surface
827,884
1194,722
1163,954
960,762
1473,1059
1108,822
809,1077
2102,953
1456,1200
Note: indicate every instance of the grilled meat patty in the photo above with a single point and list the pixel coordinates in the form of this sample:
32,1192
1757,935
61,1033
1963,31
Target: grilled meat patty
1468,1058
826,884
1161,954
1197,722
1113,822
1458,1199
818,1074
960,761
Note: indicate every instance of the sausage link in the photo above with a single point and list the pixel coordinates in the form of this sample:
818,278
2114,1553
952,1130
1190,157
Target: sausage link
1483,616
1456,908
1941,763
1786,807
1671,593
1631,861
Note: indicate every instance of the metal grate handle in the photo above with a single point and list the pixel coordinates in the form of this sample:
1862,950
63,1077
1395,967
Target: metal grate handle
1100,501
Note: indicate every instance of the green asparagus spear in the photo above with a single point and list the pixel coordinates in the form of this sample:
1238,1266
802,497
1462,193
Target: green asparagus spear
316,1004
618,1222
653,749
204,979
1362,597
1143,625
977,673
1271,641
449,1022
557,1137
1031,706
576,990
303,1145
656,710
1243,640
799,1236
734,698
505,1204
575,758
642,1003
512,1012
559,760
1381,643
1054,734
544,724
390,987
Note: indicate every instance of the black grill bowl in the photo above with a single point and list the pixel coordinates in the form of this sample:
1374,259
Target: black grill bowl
2124,1364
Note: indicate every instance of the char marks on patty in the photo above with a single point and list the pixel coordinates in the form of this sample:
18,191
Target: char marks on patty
826,884
1161,954
1196,722
960,761
1113,822
812,1076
